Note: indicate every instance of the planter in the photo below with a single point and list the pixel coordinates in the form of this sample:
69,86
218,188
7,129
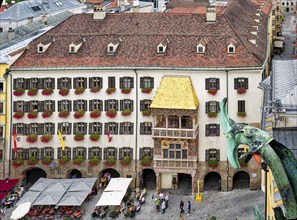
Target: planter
79,90
47,91
95,89
146,112
78,160
79,137
110,161
111,113
212,114
212,91
32,161
32,92
47,113
18,92
18,162
32,138
64,113
213,163
63,160
95,114
32,115
126,112
126,161
242,162
146,161
46,138
64,91
126,90
110,90
146,90
46,161
94,137
241,114
241,90
18,114
79,114
94,161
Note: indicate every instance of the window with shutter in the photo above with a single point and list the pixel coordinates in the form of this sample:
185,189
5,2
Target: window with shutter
112,127
241,83
95,82
212,83
111,82
146,82
212,130
146,128
241,106
126,82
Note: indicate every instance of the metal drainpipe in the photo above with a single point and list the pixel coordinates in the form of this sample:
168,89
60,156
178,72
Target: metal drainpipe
227,95
136,127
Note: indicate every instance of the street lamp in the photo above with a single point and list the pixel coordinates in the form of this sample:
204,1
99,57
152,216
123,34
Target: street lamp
264,167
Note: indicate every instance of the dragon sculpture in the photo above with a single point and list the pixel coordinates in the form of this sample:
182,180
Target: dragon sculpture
278,158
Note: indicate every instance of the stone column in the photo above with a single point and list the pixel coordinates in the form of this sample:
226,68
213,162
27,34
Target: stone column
194,183
166,121
158,182
179,122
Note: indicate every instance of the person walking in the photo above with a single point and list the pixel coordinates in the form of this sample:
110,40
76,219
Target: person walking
189,207
163,205
166,200
157,202
181,206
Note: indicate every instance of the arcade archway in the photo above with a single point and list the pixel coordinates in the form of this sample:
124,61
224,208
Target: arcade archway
112,172
74,174
241,180
149,179
185,183
31,175
212,181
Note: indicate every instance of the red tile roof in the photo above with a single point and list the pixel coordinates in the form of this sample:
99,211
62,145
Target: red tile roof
142,32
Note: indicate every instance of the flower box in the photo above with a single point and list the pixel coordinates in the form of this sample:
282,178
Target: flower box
94,161
126,90
94,137
32,138
126,112
111,113
110,161
18,92
241,114
18,162
47,91
213,163
79,90
32,161
64,91
63,160
146,161
242,162
32,92
79,137
95,89
46,138
212,91
212,114
46,161
126,161
78,160
47,113
241,90
79,114
64,113
18,114
146,90
32,115
95,114
110,90
146,112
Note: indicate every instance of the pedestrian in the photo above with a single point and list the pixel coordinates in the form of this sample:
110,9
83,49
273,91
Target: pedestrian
157,202
163,205
181,206
189,207
166,200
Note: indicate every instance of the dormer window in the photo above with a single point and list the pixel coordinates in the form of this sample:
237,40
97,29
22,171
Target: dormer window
40,49
110,49
231,44
43,46
161,49
231,49
200,49
112,46
201,46
74,47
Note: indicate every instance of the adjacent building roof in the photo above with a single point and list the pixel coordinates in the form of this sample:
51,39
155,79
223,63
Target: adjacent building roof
175,93
142,32
288,137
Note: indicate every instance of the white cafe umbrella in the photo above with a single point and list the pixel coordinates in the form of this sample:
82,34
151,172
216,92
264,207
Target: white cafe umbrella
21,211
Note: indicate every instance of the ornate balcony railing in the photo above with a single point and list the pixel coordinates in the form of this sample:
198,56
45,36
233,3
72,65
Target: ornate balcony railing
173,163
175,133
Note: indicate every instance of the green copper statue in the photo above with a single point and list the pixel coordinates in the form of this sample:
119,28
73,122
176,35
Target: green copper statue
278,158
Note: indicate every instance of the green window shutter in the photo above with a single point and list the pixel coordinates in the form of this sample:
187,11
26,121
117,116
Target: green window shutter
206,155
120,153
236,83
207,107
207,84
131,153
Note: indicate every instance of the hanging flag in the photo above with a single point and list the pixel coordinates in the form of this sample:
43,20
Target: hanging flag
61,140
108,136
257,159
15,147
244,149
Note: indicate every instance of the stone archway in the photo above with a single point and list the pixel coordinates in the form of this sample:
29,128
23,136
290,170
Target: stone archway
114,173
31,175
184,183
148,178
212,181
74,174
241,180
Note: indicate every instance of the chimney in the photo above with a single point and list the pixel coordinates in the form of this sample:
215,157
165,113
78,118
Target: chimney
44,19
211,14
122,6
99,13
135,7
10,34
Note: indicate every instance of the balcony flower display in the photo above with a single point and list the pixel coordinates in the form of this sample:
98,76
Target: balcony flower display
46,161
126,90
18,114
79,90
79,114
78,160
47,113
32,161
32,115
110,161
242,162
64,113
32,138
111,113
126,112
212,114
146,112
126,161
94,161
18,92
18,162
241,90
213,163
64,91
63,160
79,137
95,114
95,89
47,91
146,161
46,138
241,114
212,91
94,137
110,90
146,90
32,92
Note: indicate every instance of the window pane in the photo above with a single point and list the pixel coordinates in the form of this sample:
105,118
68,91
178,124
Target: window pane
165,153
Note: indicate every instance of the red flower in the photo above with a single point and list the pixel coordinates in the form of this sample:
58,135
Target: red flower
46,138
79,114
47,114
32,92
95,89
146,90
241,90
64,91
79,137
95,114
79,90
47,91
110,90
18,114
18,92
32,138
64,114
126,90
32,115
111,113
212,91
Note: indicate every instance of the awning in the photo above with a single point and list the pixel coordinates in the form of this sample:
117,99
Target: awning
59,185
73,198
20,211
30,196
41,184
85,184
47,198
118,184
111,198
6,185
